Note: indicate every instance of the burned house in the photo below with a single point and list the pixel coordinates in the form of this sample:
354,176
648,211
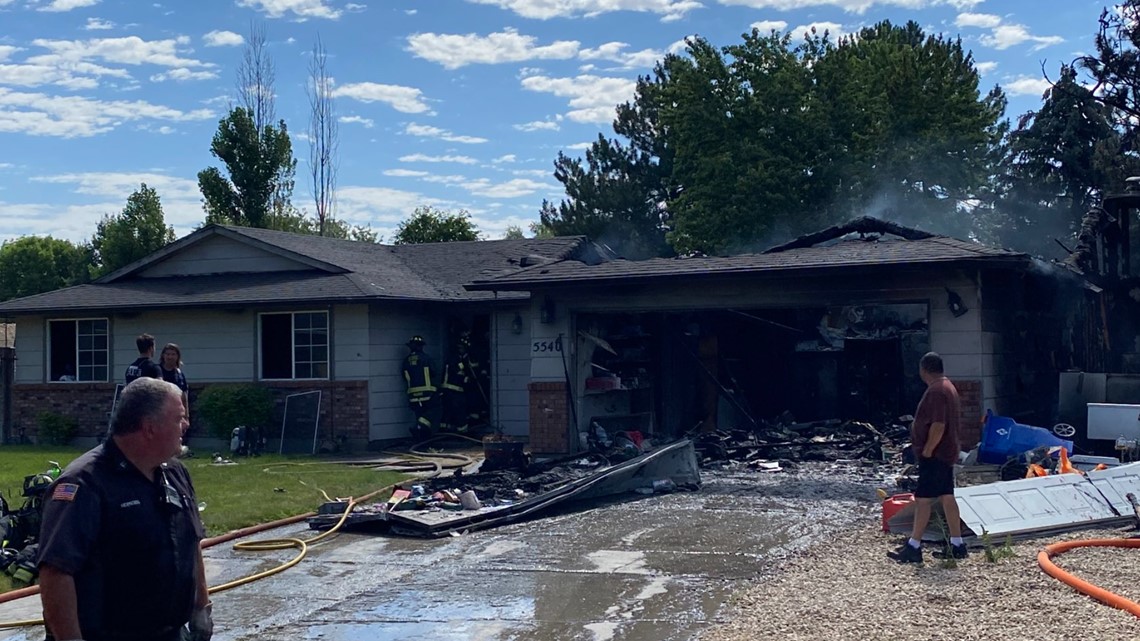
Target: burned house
1107,375
828,326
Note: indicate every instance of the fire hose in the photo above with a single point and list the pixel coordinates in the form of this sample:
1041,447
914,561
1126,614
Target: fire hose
1045,560
424,464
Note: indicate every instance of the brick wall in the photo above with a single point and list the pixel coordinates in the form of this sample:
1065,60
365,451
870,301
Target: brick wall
970,419
344,407
549,418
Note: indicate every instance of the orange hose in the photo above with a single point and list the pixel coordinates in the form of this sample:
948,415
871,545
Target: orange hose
1044,559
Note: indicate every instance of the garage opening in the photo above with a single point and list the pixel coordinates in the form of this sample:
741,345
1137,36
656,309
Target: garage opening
672,373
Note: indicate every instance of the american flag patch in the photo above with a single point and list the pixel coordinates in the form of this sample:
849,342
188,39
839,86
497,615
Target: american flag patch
64,492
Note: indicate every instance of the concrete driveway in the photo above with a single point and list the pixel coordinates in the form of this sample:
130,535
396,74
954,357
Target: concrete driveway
655,569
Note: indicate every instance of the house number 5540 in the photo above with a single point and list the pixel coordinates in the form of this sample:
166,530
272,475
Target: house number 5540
547,346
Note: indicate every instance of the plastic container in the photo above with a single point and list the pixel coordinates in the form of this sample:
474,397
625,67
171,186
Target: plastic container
1003,437
892,505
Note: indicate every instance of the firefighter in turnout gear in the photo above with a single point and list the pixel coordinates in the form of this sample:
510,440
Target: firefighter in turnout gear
456,379
478,386
421,391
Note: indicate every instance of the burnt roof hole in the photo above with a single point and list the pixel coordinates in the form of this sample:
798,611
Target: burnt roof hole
530,260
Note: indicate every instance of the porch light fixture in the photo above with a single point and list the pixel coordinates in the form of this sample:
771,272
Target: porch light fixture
517,324
546,312
955,304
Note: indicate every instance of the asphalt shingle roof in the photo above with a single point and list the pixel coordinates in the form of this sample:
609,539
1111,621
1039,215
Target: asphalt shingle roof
840,254
435,272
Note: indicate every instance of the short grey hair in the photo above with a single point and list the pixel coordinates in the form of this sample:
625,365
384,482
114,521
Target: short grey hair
931,363
141,400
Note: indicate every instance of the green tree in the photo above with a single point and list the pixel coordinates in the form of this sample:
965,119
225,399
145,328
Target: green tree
140,229
1062,158
260,165
733,148
36,264
539,230
1115,67
430,225
513,232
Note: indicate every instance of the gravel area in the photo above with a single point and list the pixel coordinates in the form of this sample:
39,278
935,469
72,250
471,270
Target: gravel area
848,589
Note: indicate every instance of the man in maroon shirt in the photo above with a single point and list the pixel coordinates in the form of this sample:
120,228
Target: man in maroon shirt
934,437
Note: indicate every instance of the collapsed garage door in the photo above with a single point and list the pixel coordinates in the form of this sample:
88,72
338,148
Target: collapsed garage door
671,373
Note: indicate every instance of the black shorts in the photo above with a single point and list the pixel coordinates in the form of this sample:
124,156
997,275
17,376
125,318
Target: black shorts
935,478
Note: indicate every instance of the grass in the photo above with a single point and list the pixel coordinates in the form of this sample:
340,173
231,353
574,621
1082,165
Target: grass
256,490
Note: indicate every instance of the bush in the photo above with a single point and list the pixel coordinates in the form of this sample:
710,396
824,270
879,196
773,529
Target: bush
225,407
56,429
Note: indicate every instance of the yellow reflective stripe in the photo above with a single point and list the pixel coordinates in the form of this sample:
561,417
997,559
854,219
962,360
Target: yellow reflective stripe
455,388
422,388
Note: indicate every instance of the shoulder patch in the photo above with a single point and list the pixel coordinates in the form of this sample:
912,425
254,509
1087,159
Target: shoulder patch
65,492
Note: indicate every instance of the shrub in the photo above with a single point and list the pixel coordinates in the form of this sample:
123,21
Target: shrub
225,407
56,429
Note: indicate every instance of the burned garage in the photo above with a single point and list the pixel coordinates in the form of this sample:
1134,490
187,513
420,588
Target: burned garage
828,327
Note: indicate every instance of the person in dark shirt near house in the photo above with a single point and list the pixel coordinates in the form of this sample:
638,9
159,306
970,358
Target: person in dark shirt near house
934,437
171,364
143,365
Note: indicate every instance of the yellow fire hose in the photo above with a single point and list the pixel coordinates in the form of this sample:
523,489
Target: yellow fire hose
425,463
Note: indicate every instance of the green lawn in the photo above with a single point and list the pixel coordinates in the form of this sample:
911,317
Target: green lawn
256,490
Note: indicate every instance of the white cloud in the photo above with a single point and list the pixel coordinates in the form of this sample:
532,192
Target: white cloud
37,114
104,192
59,6
380,207
538,125
454,51
538,173
463,160
833,28
593,99
223,39
427,131
302,9
985,67
6,51
355,8
1010,35
615,51
579,146
982,20
545,9
183,75
504,158
407,100
81,75
850,6
405,173
130,50
765,26
367,122
98,24
1026,86
514,188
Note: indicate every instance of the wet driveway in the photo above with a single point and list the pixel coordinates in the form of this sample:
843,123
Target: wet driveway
654,569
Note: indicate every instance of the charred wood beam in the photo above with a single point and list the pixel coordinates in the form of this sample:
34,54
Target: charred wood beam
864,225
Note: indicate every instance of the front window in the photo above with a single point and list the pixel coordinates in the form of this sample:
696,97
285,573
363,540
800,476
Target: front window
295,345
77,350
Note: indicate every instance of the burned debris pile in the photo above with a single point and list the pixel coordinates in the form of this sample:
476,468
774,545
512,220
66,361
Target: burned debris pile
788,442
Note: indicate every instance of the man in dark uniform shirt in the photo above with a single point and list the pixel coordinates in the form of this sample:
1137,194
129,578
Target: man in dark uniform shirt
119,555
143,365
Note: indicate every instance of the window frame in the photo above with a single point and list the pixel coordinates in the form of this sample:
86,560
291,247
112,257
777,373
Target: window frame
293,346
75,321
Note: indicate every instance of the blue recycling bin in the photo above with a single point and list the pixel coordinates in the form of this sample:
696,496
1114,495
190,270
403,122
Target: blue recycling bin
1003,437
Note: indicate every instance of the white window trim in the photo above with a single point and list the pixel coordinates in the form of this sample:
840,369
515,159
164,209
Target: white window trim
47,348
292,355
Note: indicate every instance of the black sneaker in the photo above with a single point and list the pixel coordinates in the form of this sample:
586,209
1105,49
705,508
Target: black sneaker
906,553
952,552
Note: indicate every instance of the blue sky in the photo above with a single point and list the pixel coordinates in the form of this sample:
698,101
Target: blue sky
451,103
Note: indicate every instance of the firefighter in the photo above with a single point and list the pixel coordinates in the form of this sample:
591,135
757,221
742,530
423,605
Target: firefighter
421,391
456,380
477,387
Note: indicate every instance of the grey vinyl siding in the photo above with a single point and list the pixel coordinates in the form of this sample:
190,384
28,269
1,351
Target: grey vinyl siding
510,372
389,328
351,346
216,346
218,255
